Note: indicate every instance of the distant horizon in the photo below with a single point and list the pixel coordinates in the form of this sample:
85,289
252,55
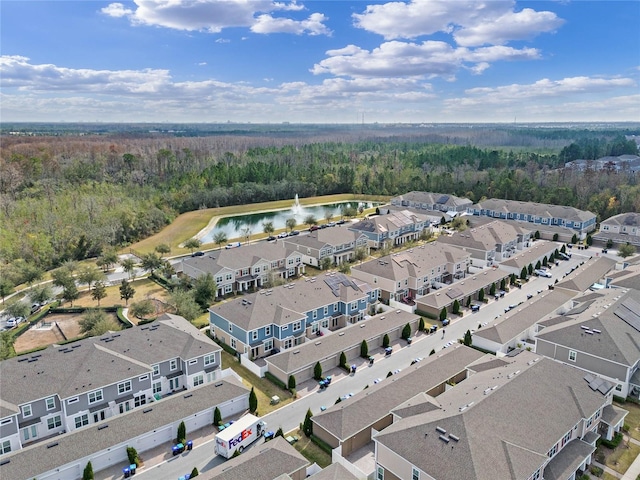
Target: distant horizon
320,62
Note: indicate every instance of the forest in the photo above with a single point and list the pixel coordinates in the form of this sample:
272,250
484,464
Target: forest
69,194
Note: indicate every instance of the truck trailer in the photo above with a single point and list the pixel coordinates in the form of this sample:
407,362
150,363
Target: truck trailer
239,435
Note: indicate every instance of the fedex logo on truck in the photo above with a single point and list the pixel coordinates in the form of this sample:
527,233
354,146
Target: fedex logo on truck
235,441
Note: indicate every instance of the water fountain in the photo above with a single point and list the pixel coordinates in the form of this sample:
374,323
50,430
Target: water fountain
297,208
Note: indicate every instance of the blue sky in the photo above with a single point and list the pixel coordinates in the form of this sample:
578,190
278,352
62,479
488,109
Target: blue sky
320,61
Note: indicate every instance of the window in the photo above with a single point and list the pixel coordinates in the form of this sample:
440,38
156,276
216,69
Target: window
30,432
72,400
287,343
26,410
6,421
230,327
254,335
193,361
209,359
143,378
54,422
354,305
618,388
81,420
267,330
536,476
297,326
157,387
5,447
566,438
326,311
139,400
553,451
156,370
335,307
173,364
415,473
124,387
124,407
268,345
233,343
94,396
572,356
198,380
315,314
380,473
219,279
51,403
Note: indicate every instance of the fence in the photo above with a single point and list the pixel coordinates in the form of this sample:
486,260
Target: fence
252,367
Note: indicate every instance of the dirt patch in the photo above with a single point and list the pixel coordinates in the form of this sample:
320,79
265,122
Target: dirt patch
54,328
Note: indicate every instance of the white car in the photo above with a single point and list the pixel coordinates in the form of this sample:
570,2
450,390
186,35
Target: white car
14,321
283,235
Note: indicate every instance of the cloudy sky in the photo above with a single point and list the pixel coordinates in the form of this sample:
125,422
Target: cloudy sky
320,61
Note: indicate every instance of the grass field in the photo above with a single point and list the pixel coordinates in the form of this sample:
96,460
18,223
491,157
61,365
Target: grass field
263,388
310,450
633,418
622,457
189,224
144,288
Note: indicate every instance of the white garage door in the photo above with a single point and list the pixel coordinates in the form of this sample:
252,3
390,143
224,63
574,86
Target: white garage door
151,440
199,420
106,459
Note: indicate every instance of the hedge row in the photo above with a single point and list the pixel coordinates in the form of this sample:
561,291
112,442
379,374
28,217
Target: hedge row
225,347
612,444
322,444
276,381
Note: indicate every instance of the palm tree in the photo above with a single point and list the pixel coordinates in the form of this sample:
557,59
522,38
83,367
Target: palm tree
163,249
192,244
310,220
246,233
267,227
291,223
220,238
129,266
328,215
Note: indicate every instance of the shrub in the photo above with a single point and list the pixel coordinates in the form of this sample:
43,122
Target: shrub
317,371
276,381
612,444
307,426
385,341
443,313
597,471
292,382
182,433
421,324
279,433
364,349
456,306
253,401
217,417
481,294
87,474
432,352
132,455
194,473
322,444
406,332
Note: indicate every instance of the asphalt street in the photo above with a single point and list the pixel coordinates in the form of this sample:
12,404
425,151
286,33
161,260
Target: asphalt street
289,417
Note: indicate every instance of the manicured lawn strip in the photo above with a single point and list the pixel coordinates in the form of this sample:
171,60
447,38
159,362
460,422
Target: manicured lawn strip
310,450
622,457
264,388
144,288
189,224
633,418
608,476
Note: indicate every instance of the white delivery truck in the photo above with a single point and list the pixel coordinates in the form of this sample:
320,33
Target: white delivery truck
239,435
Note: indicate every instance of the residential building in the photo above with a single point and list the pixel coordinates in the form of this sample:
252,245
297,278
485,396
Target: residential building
464,291
620,229
490,243
432,201
267,461
600,335
300,361
247,268
64,457
541,250
61,389
348,426
414,272
521,417
392,229
590,272
609,164
338,244
581,221
283,317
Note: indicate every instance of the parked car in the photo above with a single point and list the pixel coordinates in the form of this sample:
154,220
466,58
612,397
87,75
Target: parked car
233,245
283,235
475,308
12,322
445,322
294,233
542,273
313,228
271,238
197,254
35,307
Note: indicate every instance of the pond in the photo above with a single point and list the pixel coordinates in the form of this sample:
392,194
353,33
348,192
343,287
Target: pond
233,226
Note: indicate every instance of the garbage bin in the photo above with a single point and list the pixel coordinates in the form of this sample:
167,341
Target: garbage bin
132,469
190,445
409,340
126,472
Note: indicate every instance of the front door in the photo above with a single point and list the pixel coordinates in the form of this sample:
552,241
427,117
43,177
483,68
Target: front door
174,383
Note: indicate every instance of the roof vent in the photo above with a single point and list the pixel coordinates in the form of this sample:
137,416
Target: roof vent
51,445
296,352
102,427
444,439
454,438
147,410
441,430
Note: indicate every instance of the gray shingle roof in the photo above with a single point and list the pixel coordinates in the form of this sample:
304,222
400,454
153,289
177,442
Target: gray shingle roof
618,341
629,219
487,236
431,198
127,353
586,275
335,471
287,303
365,408
264,462
389,222
568,460
500,433
293,359
539,249
524,316
36,459
536,209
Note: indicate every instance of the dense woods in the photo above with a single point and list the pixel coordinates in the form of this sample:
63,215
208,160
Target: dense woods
70,196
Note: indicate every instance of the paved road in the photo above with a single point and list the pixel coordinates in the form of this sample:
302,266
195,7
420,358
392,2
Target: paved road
290,416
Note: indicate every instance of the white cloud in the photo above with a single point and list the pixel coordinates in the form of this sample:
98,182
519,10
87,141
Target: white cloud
116,10
202,64
401,59
222,40
471,22
313,25
215,15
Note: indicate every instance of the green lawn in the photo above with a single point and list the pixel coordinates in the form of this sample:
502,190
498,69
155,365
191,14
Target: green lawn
633,418
310,450
622,457
264,388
